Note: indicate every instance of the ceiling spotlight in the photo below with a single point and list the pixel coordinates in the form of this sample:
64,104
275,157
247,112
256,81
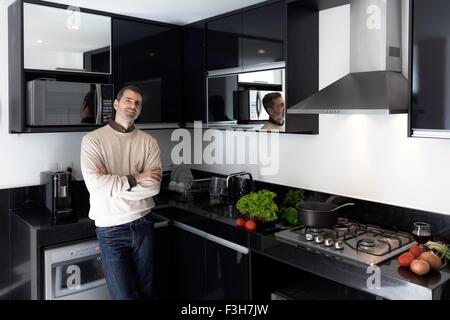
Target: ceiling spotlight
262,51
39,41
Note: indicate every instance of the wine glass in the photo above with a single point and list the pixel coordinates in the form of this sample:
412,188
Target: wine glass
421,233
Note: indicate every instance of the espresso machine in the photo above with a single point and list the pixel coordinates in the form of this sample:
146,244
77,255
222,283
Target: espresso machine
58,188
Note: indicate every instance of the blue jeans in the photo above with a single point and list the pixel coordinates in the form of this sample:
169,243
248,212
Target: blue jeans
127,259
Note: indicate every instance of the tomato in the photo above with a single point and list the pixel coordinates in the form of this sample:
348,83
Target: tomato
416,251
250,225
240,222
406,259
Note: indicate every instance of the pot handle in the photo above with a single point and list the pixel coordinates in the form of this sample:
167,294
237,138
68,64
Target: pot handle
344,205
331,199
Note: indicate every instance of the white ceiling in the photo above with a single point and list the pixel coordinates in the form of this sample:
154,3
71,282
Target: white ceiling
172,11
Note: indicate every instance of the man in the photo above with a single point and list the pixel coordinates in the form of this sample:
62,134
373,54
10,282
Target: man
121,167
274,105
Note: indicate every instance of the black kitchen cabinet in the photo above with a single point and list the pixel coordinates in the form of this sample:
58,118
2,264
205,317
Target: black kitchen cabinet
188,280
227,273
4,245
163,272
430,102
263,34
28,62
223,37
194,70
150,56
252,37
302,71
207,267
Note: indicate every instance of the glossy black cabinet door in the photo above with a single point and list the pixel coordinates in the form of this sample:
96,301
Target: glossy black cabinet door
189,265
302,71
163,263
194,70
263,34
223,42
4,245
431,65
227,273
150,57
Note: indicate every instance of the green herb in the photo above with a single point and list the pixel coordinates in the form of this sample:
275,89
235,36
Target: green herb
259,206
290,216
293,197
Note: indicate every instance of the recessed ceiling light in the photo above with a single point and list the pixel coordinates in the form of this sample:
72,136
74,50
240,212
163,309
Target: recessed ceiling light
39,41
262,51
75,27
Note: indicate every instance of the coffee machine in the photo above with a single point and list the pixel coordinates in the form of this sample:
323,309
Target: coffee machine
58,188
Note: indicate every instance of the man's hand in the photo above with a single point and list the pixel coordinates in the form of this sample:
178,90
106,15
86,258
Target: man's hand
102,169
153,174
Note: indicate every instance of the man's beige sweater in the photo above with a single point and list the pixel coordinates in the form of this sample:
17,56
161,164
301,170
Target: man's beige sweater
112,201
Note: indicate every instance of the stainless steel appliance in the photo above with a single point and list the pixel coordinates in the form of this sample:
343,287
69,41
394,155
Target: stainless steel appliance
376,82
74,272
58,188
61,103
249,105
350,240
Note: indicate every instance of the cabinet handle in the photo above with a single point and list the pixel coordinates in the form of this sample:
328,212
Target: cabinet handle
208,236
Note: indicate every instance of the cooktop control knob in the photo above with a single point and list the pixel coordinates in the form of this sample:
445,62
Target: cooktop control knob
319,239
309,237
339,245
329,242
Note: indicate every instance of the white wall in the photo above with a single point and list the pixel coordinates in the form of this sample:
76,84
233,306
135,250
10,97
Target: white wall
24,156
366,157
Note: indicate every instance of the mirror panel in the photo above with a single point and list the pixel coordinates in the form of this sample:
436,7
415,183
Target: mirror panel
236,100
66,40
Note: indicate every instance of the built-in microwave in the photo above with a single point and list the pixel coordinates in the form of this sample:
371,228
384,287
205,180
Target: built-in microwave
249,106
62,103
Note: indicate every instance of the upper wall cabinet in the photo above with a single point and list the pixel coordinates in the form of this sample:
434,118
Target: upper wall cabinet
60,76
245,39
150,56
223,42
194,84
66,40
263,34
430,103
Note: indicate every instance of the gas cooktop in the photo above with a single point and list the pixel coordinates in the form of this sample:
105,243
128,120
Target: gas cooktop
350,240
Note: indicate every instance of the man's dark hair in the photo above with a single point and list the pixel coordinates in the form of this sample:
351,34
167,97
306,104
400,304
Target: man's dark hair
132,88
269,100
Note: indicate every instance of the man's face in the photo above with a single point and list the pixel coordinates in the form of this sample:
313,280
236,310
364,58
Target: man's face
129,107
277,111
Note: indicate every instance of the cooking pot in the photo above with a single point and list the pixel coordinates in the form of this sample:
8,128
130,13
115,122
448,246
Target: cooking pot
319,214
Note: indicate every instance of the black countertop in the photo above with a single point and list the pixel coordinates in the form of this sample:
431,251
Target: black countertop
396,283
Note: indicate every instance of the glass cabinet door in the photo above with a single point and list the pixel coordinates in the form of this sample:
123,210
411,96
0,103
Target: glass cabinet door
66,40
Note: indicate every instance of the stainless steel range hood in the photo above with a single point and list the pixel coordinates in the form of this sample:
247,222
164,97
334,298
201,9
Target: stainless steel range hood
375,83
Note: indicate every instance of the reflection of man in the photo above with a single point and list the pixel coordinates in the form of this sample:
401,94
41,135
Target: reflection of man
87,113
121,167
274,105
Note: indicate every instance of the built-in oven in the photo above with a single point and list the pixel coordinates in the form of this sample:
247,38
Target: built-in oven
74,272
62,103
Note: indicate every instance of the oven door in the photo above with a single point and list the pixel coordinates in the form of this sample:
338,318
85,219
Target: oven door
74,272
